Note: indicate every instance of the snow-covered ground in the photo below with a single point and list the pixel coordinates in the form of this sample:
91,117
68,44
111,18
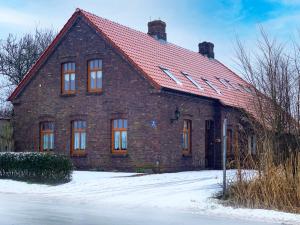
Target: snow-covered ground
188,192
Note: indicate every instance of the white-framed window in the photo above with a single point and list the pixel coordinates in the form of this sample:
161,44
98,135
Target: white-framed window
190,78
224,82
172,76
212,86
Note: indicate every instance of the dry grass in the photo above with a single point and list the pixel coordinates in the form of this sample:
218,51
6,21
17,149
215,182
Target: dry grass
274,187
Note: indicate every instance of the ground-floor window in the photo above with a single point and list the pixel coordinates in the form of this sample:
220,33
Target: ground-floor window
186,137
119,136
252,144
78,137
46,136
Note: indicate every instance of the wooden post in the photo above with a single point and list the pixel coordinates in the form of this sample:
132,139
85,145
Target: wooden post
224,155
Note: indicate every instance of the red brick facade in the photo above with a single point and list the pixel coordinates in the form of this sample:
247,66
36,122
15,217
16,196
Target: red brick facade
153,140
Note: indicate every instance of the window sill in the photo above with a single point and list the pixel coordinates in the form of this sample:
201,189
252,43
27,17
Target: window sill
186,154
67,94
121,154
94,92
79,154
46,151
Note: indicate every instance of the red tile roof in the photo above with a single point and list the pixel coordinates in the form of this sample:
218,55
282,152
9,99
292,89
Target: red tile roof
148,55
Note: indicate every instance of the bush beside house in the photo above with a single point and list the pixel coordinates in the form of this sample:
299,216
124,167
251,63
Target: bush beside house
35,167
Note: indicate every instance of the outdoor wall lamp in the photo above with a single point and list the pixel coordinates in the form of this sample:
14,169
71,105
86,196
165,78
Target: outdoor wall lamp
177,115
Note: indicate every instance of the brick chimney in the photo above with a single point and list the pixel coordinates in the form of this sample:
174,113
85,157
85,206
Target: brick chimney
207,49
157,29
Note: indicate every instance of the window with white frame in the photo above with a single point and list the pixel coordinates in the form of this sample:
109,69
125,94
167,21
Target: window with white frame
172,76
212,86
190,78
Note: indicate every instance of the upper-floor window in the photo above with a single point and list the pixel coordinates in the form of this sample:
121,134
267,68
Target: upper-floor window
46,136
78,137
186,137
95,75
68,78
171,75
119,136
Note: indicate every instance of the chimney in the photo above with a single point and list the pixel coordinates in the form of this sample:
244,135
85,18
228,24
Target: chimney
157,29
207,49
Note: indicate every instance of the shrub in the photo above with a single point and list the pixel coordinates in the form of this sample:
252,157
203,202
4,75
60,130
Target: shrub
35,167
276,186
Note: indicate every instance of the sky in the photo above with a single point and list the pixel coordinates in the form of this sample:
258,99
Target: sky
188,21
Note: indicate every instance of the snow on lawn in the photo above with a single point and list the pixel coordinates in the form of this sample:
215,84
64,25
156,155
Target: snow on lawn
188,191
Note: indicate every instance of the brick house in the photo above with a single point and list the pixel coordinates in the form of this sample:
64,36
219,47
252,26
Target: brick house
112,97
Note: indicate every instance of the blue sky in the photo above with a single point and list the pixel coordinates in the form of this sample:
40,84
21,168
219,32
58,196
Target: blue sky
188,21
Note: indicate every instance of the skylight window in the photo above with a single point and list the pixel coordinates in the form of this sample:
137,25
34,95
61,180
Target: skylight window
242,88
225,82
248,89
236,87
166,71
212,86
193,81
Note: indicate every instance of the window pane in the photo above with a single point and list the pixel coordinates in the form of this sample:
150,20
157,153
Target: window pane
125,123
182,141
76,140
83,124
99,79
45,141
120,124
100,64
186,141
72,81
92,64
115,123
117,140
124,140
93,80
51,126
43,126
73,66
51,141
185,124
66,82
83,140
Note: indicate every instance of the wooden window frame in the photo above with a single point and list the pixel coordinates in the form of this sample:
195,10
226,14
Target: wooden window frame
113,129
42,133
69,72
94,90
187,130
78,152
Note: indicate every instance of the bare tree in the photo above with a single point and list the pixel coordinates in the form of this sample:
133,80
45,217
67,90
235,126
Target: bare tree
273,68
18,55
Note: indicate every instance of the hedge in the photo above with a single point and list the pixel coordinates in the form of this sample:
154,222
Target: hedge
35,167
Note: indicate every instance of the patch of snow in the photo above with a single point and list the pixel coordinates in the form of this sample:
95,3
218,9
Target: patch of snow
185,191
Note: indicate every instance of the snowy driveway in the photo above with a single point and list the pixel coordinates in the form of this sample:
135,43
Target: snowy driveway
106,198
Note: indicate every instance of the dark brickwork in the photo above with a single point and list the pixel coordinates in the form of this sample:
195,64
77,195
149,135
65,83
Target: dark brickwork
153,141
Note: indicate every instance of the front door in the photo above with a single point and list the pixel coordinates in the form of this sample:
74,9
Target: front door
209,144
